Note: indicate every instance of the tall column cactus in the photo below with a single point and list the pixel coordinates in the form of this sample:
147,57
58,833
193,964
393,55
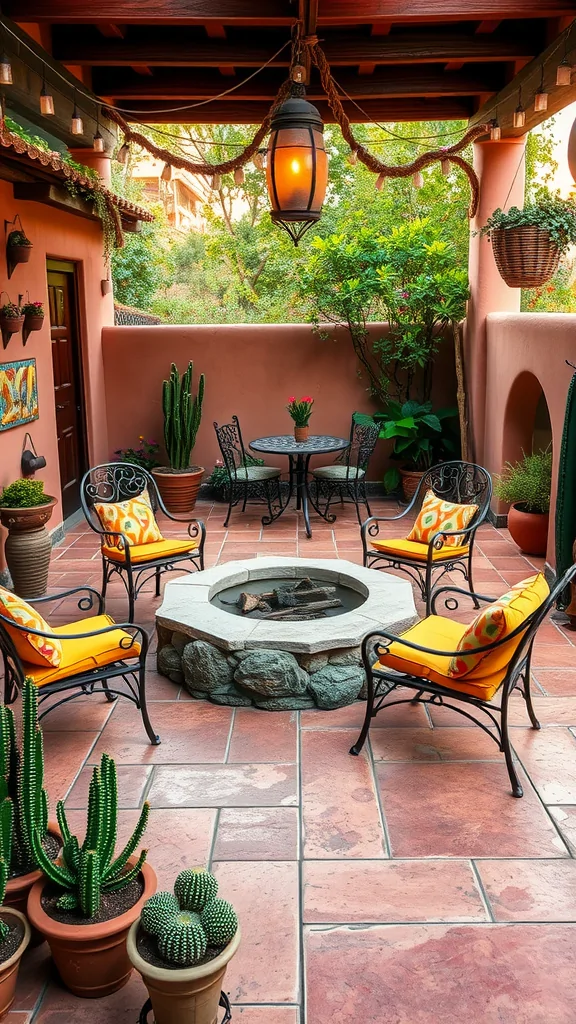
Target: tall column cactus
182,415
22,778
6,820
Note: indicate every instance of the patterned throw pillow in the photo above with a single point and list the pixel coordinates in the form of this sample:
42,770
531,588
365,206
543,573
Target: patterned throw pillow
134,518
36,650
437,514
494,622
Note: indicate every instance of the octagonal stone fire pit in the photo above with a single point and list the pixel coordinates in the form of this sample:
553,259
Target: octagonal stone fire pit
222,655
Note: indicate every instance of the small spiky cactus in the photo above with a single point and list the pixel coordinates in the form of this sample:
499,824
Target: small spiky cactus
184,924
6,822
88,871
21,779
182,415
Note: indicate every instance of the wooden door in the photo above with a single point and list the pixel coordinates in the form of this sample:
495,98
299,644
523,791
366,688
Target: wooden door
68,395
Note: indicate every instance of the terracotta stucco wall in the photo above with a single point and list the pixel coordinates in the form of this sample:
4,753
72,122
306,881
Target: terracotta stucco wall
250,370
68,237
526,354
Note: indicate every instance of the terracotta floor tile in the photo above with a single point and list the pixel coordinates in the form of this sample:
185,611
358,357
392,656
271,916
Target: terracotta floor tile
18,1017
340,811
549,710
265,896
553,656
132,780
123,1007
380,891
64,755
35,970
242,785
269,738
530,890
402,716
263,1014
190,732
427,974
249,833
549,757
85,714
433,745
565,819
462,810
556,681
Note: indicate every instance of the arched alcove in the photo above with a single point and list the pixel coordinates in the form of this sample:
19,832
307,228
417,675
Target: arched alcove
527,426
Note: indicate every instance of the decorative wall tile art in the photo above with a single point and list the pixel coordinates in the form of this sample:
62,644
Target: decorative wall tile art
18,393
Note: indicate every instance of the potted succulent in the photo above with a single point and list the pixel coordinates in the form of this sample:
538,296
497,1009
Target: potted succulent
180,482
11,320
526,486
14,928
21,780
420,440
33,318
88,900
300,412
18,248
24,511
182,945
528,243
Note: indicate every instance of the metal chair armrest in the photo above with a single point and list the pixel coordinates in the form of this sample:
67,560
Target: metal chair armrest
68,593
457,590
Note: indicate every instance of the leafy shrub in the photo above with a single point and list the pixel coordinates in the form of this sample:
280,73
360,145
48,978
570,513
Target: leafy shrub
420,436
144,456
220,477
23,494
527,483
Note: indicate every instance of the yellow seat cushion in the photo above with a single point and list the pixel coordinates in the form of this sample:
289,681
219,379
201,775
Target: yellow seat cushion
436,515
494,622
84,655
134,518
148,552
437,633
37,650
414,549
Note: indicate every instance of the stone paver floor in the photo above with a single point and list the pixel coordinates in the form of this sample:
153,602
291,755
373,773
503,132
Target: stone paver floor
403,887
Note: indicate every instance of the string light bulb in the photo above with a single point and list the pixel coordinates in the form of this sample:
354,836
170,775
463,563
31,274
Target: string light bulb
5,70
418,179
380,182
123,153
76,124
166,174
258,161
239,176
46,99
564,73
541,97
98,141
519,116
298,73
495,131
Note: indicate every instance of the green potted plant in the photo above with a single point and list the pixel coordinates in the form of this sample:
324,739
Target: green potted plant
14,928
528,243
179,482
18,248
33,317
181,945
21,781
421,438
88,900
300,410
526,487
219,478
11,320
24,511
146,455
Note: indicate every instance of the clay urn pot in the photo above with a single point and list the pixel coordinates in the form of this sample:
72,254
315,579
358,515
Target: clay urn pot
18,889
410,480
188,995
91,959
9,969
529,530
178,487
28,547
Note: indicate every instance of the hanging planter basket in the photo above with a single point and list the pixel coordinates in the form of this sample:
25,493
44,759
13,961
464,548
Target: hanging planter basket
526,256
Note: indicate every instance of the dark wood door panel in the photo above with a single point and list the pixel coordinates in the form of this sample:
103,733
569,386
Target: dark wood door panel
67,386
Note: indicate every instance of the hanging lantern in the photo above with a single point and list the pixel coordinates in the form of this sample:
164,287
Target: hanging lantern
258,161
77,124
495,131
297,168
298,73
519,117
123,153
541,101
564,73
46,99
5,70
98,142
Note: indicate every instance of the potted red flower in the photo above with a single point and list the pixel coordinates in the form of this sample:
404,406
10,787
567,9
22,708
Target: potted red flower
11,319
300,411
33,316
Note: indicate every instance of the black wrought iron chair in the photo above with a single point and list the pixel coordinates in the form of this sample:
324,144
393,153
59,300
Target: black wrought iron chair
394,661
95,652
462,483
346,476
247,482
114,482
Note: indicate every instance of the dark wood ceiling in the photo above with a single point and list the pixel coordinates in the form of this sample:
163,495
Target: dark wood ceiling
396,59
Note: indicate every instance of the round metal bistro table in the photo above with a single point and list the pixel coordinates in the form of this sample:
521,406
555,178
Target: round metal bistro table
299,455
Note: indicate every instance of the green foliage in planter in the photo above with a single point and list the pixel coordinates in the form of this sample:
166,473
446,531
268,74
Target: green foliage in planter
33,309
421,437
182,415
220,477
185,923
144,456
22,778
547,211
10,310
527,483
23,494
6,815
88,871
19,238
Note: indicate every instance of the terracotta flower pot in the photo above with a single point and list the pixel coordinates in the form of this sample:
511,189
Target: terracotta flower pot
28,547
18,889
11,324
186,996
529,530
410,480
301,434
33,322
178,487
9,969
91,959
19,253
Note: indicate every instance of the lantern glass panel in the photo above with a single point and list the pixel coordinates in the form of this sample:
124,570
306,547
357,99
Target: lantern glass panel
297,170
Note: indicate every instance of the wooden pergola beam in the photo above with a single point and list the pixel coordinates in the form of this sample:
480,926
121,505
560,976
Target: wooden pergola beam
341,12
254,111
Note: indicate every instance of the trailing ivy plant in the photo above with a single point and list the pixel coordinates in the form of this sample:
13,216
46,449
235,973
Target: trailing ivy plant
548,211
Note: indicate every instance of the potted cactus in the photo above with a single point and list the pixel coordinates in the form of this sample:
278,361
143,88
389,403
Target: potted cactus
14,928
21,781
88,900
181,945
179,482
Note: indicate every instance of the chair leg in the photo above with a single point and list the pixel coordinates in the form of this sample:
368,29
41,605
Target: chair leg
131,595
104,587
369,709
528,694
110,697
157,591
152,736
268,499
470,579
245,498
365,496
230,506
357,503
428,587
514,781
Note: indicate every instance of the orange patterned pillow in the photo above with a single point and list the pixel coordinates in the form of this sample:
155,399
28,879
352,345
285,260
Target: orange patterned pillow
134,518
437,514
36,650
494,622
